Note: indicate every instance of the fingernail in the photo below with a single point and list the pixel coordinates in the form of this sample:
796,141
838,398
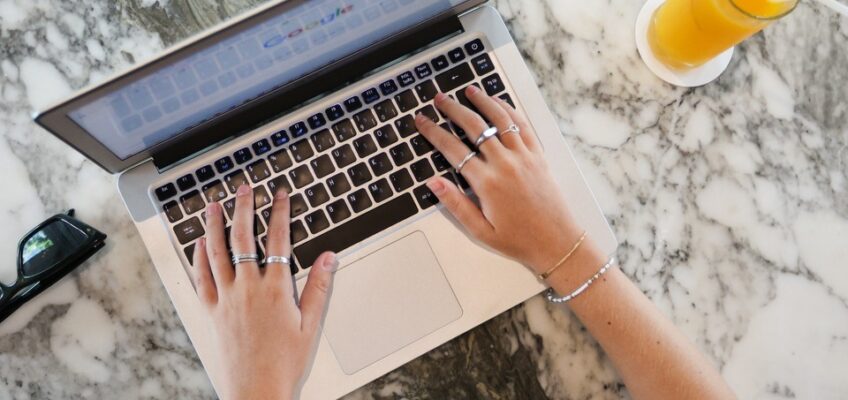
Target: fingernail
436,186
420,117
472,89
243,190
441,96
281,194
331,262
202,242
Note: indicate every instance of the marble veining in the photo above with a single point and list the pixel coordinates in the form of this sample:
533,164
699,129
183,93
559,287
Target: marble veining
729,200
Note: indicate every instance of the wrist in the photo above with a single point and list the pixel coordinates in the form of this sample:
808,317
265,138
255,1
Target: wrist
550,252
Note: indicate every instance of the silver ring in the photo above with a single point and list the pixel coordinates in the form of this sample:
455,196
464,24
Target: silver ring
471,154
276,260
486,135
243,258
512,128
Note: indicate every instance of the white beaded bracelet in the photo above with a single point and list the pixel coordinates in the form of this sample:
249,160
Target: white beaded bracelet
549,294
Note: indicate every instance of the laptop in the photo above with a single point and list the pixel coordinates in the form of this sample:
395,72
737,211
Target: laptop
317,97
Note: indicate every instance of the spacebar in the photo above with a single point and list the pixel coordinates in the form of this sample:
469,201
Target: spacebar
357,229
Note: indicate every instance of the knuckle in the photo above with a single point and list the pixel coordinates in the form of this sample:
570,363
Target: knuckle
321,285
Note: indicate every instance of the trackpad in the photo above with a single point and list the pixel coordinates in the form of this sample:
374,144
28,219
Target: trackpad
387,300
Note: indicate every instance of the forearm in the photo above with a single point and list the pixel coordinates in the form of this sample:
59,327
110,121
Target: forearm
653,357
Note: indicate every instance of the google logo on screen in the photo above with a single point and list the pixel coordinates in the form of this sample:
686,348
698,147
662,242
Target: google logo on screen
327,19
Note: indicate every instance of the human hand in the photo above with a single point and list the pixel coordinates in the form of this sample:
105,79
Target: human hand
264,339
521,211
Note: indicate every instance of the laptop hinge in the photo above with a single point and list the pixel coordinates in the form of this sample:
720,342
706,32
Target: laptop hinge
301,92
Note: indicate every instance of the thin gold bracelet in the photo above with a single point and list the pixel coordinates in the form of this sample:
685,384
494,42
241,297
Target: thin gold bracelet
546,274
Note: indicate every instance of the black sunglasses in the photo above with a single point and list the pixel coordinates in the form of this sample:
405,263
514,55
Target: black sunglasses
45,255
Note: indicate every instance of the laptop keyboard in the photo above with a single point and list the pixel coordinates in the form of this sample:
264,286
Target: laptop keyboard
352,171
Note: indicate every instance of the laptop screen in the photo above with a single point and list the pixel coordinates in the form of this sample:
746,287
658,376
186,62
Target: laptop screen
199,86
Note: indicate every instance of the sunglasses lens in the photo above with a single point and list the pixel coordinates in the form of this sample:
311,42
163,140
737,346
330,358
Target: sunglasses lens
49,246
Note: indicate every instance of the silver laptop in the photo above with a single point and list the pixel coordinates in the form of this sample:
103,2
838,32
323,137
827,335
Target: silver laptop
317,98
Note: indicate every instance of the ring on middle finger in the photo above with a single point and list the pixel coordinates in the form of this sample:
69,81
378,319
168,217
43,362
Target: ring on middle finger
276,260
487,134
243,258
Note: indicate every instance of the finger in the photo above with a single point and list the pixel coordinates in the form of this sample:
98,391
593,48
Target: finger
526,131
495,113
204,283
279,242
471,122
242,238
449,145
216,246
314,297
462,208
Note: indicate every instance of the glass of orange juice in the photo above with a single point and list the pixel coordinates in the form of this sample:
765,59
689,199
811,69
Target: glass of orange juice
685,34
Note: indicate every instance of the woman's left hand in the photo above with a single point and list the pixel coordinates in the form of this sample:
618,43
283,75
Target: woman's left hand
264,339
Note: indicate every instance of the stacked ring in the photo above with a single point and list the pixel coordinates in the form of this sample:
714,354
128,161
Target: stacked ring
243,258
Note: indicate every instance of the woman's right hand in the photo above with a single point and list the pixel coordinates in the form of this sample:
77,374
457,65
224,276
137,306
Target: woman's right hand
521,213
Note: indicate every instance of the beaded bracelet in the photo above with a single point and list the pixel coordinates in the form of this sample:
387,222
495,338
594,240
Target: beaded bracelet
549,294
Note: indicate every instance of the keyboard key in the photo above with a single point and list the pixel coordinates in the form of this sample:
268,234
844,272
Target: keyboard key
301,150
352,104
242,156
482,64
456,55
189,231
192,202
186,182
454,77
364,120
401,154
475,46
323,140
420,145
317,195
297,205
405,79
260,197
316,121
301,176
406,125
280,138
298,232
223,165
385,135
230,208
338,184
235,180
317,221
426,91
214,191
463,99
359,200
401,180
425,197
440,161
258,171
429,112
421,170
205,173
359,174
322,166
388,87
266,215
493,84
343,155
440,63
507,98
357,229
335,112
370,96
423,71
344,130
385,110
338,211
278,183
258,229
364,146
261,147
380,190
298,129
280,161
189,253
172,211
406,101
165,192
380,164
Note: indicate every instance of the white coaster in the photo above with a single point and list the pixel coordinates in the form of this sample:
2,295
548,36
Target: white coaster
689,78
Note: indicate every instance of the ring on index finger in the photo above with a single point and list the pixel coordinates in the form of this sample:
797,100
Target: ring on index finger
244,258
471,154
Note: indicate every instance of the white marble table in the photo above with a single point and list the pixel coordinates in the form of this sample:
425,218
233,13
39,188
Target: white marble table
731,203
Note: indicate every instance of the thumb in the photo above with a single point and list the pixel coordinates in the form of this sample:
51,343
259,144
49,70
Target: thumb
462,208
314,297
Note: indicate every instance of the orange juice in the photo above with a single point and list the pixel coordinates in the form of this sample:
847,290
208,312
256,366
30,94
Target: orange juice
687,33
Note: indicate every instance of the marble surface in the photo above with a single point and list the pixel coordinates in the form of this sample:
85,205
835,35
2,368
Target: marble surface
730,201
